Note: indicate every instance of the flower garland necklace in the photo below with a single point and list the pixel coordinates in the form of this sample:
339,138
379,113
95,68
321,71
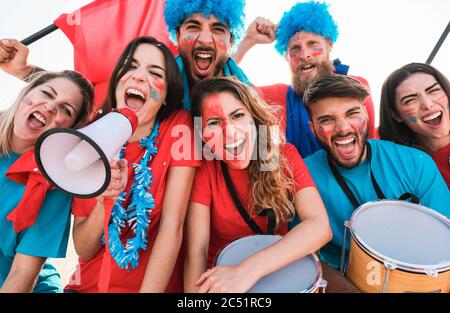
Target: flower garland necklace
138,212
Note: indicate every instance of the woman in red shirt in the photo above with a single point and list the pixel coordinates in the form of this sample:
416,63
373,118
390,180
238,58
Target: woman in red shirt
415,112
234,122
150,184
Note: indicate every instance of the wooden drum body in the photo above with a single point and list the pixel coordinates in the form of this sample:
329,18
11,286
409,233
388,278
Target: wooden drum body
397,246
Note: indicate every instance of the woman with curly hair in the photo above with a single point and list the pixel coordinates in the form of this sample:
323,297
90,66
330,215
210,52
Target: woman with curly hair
234,122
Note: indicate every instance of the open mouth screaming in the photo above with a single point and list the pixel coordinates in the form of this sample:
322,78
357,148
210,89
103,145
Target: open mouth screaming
36,120
135,98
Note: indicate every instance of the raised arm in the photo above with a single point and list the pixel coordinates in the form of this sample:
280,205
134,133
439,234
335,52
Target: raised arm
23,274
14,59
260,31
170,234
88,231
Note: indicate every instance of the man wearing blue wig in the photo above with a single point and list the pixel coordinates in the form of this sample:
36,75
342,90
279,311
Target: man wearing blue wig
205,31
304,36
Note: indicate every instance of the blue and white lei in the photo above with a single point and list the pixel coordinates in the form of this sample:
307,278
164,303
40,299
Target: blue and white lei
137,215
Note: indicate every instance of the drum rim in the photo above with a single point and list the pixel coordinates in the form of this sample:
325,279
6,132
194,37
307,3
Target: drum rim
410,267
310,289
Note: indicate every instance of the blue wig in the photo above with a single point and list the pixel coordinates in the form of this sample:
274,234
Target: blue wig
229,12
311,17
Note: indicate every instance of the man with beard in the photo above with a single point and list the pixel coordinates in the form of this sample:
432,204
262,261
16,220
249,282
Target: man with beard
204,31
352,170
305,37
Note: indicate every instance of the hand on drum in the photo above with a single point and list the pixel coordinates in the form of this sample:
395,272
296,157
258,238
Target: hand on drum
119,178
232,278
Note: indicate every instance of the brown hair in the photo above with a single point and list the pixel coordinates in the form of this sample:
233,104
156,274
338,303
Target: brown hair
390,129
270,189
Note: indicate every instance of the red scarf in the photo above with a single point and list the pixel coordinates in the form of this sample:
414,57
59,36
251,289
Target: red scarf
25,172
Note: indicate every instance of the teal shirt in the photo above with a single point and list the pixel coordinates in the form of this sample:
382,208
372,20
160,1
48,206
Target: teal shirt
397,169
46,238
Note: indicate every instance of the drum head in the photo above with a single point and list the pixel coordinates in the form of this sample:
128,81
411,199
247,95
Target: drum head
300,276
410,235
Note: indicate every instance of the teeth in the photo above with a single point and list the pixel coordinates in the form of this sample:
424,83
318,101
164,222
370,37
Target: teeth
344,142
40,117
432,116
234,144
136,92
204,55
307,68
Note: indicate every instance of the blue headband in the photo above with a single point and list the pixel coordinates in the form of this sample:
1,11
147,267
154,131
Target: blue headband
311,17
230,12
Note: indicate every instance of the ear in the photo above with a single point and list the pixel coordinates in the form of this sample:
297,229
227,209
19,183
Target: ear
177,33
311,126
329,44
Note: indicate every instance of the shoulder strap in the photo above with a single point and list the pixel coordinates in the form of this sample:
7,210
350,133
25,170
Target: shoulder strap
251,223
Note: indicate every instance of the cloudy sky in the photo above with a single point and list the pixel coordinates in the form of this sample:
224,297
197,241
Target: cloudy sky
376,37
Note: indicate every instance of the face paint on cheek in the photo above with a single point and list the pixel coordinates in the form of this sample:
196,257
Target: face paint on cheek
27,102
222,43
362,124
317,52
412,119
154,94
324,133
58,124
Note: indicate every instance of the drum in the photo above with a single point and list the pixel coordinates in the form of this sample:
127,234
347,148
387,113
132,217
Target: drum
397,246
304,275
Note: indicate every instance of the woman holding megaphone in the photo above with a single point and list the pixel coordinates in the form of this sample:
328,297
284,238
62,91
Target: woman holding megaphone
34,217
253,183
135,246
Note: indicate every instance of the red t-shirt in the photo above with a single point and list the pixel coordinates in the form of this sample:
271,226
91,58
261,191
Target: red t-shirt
442,159
121,280
227,224
276,95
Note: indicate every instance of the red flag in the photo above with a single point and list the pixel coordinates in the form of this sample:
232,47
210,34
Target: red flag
100,31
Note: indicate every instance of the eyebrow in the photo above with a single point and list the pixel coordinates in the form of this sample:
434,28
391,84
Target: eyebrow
234,112
54,91
151,65
412,95
321,117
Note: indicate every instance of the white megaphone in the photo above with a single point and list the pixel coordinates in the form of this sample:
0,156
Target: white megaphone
77,161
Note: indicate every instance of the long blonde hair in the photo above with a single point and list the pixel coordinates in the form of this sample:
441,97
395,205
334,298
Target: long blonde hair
274,188
7,117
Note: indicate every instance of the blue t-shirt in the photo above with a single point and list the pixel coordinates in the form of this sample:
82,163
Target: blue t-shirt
397,169
46,238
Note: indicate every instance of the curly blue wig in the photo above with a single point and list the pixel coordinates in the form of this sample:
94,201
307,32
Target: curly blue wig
312,17
230,12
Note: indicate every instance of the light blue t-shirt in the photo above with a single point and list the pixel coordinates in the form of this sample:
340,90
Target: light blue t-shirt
46,238
397,169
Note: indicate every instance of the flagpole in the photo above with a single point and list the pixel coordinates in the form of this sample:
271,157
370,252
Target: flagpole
439,44
38,35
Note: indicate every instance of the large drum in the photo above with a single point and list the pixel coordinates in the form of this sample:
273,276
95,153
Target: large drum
397,246
304,275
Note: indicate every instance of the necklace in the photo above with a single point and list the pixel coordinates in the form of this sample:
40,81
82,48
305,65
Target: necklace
137,215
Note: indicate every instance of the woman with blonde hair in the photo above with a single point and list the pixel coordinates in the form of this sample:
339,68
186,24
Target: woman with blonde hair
34,219
234,123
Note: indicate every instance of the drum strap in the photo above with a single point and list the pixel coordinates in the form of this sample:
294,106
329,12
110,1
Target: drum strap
251,223
341,181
